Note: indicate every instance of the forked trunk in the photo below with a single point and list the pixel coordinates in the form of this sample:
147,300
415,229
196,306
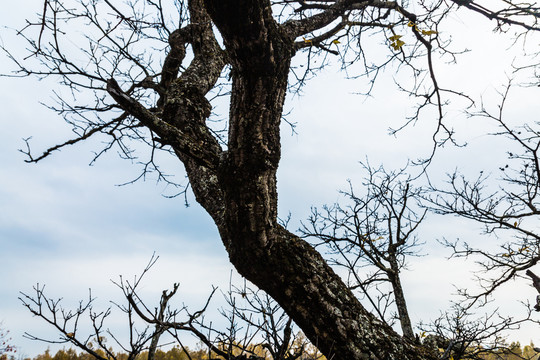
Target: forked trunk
242,197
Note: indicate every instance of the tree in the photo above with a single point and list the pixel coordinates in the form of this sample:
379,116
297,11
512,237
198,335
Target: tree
258,330
512,210
509,212
5,342
167,103
372,237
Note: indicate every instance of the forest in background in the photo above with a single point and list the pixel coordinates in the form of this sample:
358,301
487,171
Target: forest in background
514,351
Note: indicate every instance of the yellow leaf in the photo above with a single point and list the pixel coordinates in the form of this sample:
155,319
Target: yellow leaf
335,41
397,44
70,335
394,37
428,32
410,24
515,224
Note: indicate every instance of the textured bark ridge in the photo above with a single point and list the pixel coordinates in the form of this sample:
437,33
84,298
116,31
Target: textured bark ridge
238,186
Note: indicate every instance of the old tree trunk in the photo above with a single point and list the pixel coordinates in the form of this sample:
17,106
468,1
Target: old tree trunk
238,186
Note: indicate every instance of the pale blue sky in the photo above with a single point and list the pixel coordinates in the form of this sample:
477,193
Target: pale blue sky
66,225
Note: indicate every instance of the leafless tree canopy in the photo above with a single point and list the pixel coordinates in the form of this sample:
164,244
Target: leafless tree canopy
257,330
151,71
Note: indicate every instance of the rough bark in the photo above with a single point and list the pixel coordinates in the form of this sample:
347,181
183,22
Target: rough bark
238,186
288,268
536,283
401,305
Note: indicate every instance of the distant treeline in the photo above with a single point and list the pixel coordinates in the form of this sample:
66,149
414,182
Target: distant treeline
512,352
174,353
